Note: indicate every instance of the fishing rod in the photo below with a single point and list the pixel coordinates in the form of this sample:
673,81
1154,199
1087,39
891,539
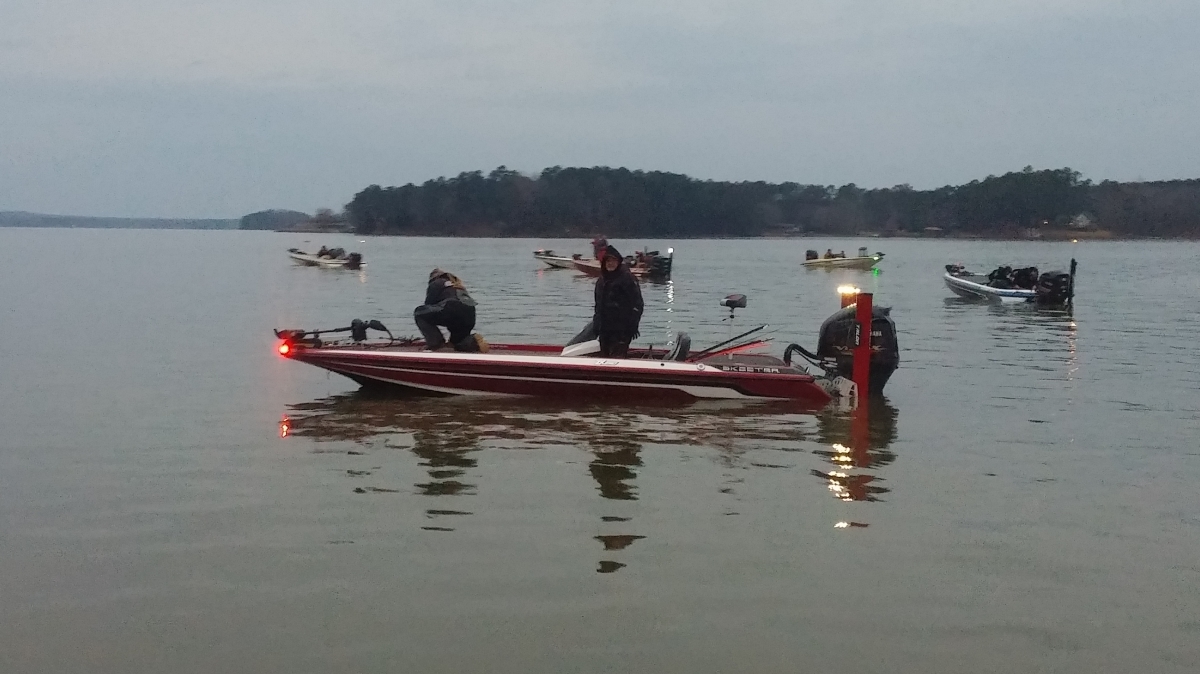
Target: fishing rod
700,354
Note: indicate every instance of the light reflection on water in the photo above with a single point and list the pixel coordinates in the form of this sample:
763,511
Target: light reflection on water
446,436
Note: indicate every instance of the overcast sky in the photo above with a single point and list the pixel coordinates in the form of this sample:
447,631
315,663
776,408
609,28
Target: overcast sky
216,108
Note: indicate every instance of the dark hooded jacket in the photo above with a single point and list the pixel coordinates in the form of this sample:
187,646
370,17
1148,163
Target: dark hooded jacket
446,287
618,299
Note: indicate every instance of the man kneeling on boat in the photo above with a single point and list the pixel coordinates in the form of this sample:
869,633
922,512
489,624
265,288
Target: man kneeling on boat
448,304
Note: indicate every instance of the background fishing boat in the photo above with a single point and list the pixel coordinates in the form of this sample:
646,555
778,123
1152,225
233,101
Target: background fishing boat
862,261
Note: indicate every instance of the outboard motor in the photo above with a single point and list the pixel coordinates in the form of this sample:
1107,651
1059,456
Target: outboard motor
660,267
835,344
354,261
1054,288
811,255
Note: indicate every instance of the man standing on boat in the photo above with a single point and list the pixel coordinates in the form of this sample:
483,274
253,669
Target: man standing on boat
448,304
619,305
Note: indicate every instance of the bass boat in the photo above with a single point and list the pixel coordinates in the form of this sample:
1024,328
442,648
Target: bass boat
645,265
553,260
734,369
1005,284
862,261
335,258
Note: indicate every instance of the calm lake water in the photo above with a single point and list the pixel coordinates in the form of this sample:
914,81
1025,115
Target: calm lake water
1027,502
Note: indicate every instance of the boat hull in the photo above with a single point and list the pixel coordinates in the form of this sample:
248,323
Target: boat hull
975,287
592,378
555,261
862,263
328,263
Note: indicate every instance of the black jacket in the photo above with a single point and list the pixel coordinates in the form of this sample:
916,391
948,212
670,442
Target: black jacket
618,299
447,288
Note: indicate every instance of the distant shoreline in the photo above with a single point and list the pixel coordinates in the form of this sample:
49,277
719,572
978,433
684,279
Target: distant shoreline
1079,238
26,220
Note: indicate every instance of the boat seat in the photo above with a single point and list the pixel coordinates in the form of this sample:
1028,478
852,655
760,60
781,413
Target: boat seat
683,345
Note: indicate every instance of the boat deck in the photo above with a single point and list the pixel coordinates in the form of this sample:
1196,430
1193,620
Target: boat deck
756,360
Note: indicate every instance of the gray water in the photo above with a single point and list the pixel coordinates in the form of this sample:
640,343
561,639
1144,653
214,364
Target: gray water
175,497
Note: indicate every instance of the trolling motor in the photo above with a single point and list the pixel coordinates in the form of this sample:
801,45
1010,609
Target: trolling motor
312,338
733,302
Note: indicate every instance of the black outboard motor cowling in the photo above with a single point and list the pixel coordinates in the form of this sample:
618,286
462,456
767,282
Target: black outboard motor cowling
660,266
354,261
1053,288
835,344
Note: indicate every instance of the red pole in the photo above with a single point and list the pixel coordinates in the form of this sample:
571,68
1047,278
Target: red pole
860,435
862,350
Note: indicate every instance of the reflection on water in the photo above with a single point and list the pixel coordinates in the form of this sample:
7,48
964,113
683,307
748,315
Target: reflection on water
446,435
462,424
446,453
1026,312
613,471
856,445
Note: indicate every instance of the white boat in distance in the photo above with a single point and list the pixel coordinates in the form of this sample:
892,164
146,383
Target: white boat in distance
554,260
862,261
975,287
1013,285
344,261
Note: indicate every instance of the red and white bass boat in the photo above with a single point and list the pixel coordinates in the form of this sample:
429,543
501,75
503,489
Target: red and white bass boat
539,370
734,369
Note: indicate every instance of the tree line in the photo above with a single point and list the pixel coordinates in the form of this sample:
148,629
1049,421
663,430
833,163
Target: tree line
572,202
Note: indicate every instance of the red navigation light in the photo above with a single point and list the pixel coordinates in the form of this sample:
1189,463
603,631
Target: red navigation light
285,348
